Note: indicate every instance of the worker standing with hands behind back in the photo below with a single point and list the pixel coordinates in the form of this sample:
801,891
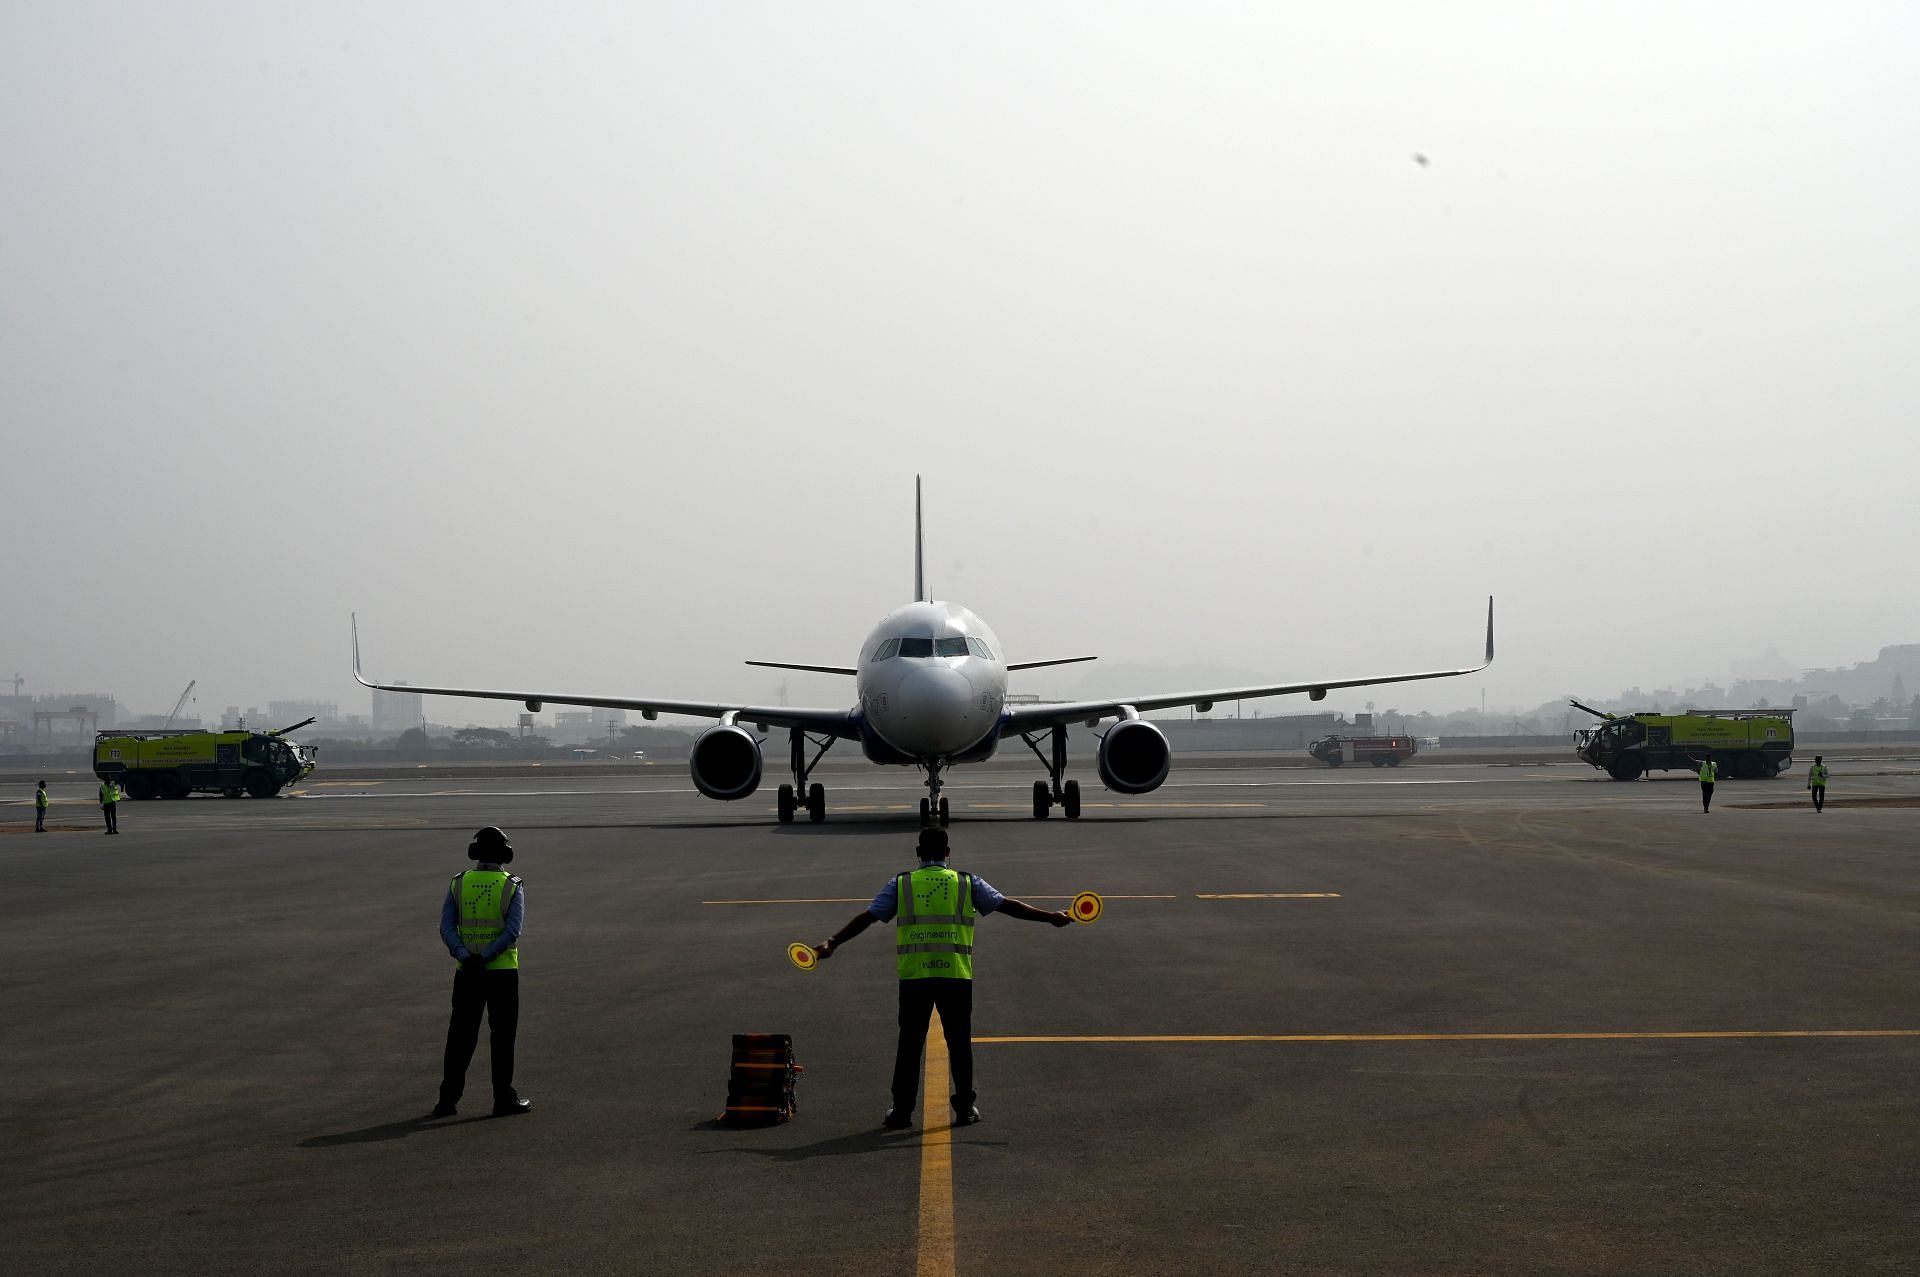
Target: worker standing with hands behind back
480,922
935,908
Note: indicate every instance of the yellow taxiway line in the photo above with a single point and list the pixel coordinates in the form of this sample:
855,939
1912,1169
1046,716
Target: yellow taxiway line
1155,1039
935,1247
1268,895
1231,895
1124,806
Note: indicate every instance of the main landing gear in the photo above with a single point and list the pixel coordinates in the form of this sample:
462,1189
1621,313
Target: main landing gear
934,806
1046,797
788,801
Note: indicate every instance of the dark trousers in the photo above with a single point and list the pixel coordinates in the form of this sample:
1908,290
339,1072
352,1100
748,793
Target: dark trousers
1819,797
112,812
39,820
918,998
1706,795
498,994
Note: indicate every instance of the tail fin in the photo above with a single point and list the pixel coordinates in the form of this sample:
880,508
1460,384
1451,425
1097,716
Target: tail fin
919,549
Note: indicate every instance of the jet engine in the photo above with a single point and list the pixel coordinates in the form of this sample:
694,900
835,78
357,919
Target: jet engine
726,762
1134,757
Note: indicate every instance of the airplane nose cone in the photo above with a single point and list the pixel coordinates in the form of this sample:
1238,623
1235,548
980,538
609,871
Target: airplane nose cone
938,709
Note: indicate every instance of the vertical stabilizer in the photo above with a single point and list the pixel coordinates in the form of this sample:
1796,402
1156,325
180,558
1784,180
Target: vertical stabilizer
919,549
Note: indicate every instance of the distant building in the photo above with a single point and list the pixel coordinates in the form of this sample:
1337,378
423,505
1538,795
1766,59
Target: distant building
285,713
395,712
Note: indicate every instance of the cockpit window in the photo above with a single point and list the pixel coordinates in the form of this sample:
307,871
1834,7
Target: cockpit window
916,647
979,648
950,647
887,649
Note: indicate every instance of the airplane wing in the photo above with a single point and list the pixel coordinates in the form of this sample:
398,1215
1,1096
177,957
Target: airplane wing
828,722
1028,718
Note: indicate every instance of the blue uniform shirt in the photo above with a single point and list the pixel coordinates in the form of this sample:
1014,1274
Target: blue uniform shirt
450,926
886,904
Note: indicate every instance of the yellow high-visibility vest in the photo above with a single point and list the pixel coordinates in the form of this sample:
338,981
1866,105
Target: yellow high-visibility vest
109,793
1817,776
933,928
40,799
1709,772
483,896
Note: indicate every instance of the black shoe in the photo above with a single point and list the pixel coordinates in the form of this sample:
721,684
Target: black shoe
967,1118
895,1120
510,1106
444,1108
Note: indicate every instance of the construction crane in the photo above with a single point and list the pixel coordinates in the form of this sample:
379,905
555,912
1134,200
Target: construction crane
177,704
16,680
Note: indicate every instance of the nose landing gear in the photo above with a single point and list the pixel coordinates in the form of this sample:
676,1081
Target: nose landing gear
934,806
1064,795
789,801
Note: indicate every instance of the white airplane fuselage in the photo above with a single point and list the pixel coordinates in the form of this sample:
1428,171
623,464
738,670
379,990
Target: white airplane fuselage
932,682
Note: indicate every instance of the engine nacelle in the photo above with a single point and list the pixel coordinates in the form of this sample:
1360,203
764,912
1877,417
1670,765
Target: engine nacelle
1134,757
726,763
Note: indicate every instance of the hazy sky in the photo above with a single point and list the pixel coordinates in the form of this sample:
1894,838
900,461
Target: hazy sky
595,347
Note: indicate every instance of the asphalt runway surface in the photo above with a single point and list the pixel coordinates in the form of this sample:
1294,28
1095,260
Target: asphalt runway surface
1437,1020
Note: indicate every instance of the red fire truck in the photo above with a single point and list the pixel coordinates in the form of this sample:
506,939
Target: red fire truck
1381,751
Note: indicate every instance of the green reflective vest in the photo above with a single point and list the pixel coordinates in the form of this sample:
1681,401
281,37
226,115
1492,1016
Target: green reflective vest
933,928
483,896
40,799
1709,772
1817,776
109,793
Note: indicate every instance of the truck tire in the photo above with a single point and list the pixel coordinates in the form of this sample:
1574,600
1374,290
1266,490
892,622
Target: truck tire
173,787
139,786
1625,768
1334,760
1393,760
260,785
1378,760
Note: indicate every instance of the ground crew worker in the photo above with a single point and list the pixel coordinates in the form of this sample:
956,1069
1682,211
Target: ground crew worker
1817,782
110,805
40,809
480,923
1709,772
934,907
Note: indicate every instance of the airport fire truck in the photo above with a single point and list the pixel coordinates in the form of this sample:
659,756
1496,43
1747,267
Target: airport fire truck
1381,751
173,764
1748,744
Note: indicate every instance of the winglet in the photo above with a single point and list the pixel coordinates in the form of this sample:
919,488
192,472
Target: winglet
1489,631
358,677
919,549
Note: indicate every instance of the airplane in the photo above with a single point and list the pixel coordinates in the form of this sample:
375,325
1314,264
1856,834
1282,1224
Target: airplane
930,691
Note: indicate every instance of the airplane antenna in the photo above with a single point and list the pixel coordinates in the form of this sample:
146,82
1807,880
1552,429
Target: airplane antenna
919,549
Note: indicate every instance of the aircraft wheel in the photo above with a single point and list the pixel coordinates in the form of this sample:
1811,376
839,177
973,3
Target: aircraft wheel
817,803
943,813
1042,800
1070,800
784,804
926,814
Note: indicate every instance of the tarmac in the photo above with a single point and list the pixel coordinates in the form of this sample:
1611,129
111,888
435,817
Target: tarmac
1453,1019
